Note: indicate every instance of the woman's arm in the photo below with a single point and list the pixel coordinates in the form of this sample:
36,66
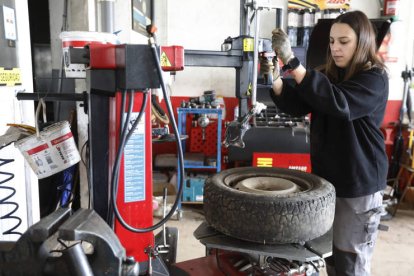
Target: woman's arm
350,99
298,74
288,99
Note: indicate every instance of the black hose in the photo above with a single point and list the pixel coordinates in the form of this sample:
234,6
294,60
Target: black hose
122,144
109,215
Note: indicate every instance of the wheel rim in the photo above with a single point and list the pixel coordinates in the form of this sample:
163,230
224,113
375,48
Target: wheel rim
267,185
275,184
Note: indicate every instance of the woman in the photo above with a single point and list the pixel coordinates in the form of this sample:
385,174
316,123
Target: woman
347,104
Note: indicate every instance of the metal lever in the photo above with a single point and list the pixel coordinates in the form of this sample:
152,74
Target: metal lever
236,129
164,247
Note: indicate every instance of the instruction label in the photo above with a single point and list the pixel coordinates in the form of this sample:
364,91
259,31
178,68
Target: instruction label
134,162
10,76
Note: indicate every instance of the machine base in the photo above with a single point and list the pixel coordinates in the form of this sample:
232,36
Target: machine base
231,256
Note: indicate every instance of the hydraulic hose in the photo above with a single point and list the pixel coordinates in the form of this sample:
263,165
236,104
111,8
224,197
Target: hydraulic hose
122,143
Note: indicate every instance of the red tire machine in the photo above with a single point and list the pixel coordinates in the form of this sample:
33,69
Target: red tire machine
119,80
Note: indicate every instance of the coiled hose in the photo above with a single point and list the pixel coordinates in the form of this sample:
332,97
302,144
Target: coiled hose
5,201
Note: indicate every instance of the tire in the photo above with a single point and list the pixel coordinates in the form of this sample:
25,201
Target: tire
269,218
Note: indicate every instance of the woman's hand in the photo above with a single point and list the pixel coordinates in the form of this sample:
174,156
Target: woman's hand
281,45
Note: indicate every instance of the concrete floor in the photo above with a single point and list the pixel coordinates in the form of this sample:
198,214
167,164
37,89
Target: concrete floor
393,255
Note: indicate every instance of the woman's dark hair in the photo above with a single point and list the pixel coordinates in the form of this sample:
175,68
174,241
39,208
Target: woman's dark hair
365,56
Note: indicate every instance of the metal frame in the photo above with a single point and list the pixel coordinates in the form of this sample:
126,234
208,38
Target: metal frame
182,119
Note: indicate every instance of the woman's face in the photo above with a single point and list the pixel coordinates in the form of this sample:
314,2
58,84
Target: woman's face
343,43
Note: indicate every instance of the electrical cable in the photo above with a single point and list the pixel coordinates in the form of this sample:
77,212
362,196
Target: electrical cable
109,214
4,201
67,177
123,142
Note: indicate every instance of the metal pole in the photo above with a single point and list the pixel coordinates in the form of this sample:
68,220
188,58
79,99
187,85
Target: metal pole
243,18
98,130
255,57
279,18
106,15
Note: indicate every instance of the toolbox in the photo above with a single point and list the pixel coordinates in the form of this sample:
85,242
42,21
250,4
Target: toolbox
193,189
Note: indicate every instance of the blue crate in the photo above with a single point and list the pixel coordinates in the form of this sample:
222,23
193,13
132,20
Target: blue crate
193,189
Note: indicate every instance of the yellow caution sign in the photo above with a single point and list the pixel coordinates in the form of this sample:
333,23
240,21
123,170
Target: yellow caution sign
264,162
164,60
248,45
10,76
249,89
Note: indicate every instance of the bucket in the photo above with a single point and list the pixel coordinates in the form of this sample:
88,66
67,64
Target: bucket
51,150
78,39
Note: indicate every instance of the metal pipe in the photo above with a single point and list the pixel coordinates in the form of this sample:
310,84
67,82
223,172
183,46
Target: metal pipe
243,18
51,96
106,15
256,55
279,17
77,261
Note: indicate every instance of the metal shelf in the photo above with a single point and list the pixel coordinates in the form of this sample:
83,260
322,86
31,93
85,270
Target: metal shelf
182,120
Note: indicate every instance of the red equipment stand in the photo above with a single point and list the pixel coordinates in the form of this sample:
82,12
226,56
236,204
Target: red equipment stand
134,198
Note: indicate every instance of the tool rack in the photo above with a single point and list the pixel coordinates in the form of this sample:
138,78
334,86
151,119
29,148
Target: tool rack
182,121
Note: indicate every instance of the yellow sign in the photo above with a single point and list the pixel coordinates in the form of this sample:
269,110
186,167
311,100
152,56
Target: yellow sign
248,45
264,162
249,89
10,76
164,60
320,4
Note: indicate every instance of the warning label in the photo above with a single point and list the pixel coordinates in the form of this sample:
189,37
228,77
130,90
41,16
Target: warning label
248,45
164,60
264,162
10,76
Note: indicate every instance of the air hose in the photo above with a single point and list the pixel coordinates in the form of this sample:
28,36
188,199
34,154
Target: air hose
124,139
5,201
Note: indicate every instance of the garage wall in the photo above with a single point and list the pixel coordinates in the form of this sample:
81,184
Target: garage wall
205,27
